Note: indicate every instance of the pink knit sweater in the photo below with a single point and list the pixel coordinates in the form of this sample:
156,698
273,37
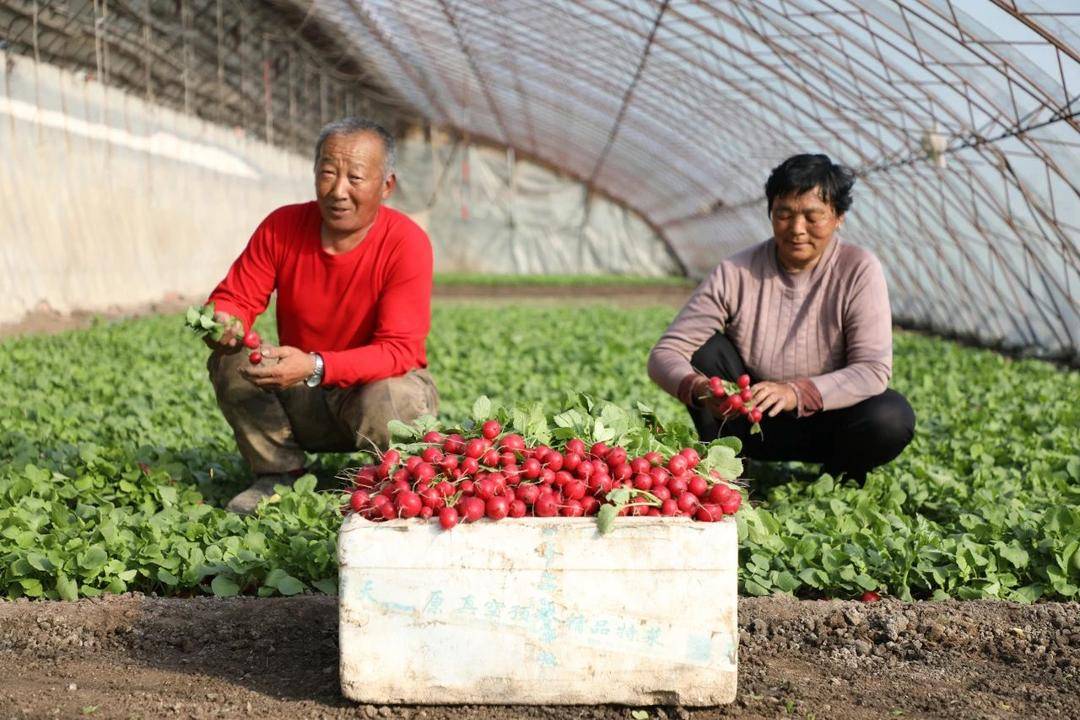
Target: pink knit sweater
827,331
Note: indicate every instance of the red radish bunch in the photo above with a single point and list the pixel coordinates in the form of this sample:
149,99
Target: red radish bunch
252,341
737,399
201,321
463,479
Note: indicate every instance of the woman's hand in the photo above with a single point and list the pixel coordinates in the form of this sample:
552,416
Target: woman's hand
717,406
773,398
281,367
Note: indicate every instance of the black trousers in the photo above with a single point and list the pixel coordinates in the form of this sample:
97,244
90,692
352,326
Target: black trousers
851,440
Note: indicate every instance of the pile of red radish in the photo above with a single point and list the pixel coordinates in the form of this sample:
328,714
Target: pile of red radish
735,400
495,476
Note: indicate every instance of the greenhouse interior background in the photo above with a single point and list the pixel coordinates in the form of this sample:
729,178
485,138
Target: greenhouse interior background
833,516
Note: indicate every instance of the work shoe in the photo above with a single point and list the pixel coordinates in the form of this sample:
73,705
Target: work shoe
263,487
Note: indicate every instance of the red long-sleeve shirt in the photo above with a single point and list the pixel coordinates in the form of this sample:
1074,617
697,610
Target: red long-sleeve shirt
366,311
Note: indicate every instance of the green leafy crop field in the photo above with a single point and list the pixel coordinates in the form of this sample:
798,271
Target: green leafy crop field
114,462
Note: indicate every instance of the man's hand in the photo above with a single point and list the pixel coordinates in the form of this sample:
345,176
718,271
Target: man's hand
773,398
282,367
231,337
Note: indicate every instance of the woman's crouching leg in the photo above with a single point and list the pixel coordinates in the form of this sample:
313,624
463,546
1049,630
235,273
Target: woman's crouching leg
869,434
366,410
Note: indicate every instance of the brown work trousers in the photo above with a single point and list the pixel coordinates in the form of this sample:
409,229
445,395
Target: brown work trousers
274,428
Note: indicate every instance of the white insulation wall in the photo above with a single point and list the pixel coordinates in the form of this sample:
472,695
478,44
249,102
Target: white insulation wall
109,201
487,211
106,200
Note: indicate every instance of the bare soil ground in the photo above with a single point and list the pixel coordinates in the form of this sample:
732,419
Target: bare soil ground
134,656
622,296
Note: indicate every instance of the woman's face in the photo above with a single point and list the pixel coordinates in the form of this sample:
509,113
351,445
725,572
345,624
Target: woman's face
803,226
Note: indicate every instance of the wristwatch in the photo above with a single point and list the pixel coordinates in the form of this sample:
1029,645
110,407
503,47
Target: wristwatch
315,379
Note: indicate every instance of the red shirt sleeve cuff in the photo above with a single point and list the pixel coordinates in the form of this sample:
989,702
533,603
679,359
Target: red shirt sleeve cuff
807,396
333,373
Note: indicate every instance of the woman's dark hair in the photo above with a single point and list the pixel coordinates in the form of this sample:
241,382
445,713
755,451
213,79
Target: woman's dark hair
802,173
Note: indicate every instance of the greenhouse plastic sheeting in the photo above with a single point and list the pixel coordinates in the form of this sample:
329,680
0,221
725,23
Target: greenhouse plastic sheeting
108,201
97,197
959,118
487,211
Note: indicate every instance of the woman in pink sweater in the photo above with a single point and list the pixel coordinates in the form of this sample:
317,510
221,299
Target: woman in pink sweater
807,317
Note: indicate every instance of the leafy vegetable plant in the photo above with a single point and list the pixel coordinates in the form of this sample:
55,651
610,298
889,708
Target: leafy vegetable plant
115,462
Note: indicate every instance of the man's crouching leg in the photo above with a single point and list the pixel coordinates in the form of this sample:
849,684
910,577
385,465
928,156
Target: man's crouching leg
262,429
366,410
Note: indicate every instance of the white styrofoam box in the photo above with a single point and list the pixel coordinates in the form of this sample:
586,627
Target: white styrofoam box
539,611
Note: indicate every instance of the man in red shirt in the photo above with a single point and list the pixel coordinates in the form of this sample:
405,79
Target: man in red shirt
353,281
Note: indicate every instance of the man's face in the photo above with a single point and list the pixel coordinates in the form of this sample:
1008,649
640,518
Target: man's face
349,182
803,226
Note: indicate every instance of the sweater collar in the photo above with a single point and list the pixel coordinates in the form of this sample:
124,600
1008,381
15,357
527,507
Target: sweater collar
803,280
